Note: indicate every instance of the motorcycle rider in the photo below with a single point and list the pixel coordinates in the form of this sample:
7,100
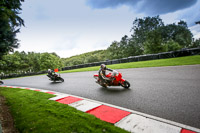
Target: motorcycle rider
102,74
52,74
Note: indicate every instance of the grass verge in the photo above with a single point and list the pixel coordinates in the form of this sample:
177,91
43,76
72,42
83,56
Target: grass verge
187,60
33,112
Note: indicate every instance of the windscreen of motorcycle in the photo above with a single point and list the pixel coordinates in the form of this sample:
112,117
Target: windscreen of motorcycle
114,73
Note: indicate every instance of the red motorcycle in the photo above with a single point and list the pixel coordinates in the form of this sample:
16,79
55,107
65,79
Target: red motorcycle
117,80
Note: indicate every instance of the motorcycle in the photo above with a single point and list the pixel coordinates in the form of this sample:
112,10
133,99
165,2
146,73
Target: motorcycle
55,77
117,80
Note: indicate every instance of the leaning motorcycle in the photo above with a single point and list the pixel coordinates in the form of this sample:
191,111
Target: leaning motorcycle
117,80
55,78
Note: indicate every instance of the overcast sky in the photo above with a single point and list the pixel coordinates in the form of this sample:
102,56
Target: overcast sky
72,27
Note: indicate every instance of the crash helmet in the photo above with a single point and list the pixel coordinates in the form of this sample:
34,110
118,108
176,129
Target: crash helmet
103,67
49,70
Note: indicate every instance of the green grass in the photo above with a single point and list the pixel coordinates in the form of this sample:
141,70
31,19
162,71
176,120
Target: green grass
33,112
187,60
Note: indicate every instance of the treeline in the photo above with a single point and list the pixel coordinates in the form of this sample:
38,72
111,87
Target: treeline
94,56
149,35
22,62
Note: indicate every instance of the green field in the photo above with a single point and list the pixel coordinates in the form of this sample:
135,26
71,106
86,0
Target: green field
187,60
33,112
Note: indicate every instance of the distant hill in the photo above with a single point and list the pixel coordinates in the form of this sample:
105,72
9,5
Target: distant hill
89,57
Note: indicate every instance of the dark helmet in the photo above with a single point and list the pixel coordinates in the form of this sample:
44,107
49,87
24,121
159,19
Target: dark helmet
103,66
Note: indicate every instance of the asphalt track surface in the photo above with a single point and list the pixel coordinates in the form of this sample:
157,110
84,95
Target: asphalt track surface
172,93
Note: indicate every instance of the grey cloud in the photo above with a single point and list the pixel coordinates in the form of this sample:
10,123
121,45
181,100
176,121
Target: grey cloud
165,6
191,15
110,3
150,7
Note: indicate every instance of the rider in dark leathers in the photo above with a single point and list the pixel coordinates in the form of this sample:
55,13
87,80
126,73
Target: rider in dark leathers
102,74
52,74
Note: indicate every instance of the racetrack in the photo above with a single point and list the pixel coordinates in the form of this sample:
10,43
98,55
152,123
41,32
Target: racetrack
168,92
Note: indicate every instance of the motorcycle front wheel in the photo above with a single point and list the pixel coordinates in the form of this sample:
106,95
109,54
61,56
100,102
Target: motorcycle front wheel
61,79
126,84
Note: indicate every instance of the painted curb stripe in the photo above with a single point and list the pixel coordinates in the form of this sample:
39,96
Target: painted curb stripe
139,124
50,92
187,131
58,97
68,100
36,90
127,119
84,105
108,114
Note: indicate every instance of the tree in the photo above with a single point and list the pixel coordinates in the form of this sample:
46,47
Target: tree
12,62
178,33
33,61
153,43
123,46
49,61
10,24
141,27
113,51
171,45
195,43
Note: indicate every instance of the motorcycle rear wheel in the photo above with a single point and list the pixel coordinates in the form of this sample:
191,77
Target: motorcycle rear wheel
126,84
